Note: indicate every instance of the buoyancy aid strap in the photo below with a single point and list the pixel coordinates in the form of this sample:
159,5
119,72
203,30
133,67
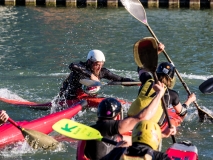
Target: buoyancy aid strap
149,88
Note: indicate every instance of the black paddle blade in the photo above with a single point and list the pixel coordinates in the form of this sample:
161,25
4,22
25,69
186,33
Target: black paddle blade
207,86
146,53
39,140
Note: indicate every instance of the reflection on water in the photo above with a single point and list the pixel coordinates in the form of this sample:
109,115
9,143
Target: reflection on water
37,44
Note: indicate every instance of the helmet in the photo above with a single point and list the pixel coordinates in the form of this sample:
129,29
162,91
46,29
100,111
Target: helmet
166,68
92,91
147,132
109,108
96,55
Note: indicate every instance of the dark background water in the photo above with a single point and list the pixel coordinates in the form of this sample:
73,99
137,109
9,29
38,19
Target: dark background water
37,44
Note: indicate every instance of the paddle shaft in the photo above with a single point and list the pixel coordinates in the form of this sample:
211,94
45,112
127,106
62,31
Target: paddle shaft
180,78
109,141
14,123
124,83
164,107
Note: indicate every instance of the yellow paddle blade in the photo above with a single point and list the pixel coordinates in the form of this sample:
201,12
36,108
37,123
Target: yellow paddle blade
76,130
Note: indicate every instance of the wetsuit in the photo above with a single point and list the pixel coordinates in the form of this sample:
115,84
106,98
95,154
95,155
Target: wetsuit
82,70
136,150
94,149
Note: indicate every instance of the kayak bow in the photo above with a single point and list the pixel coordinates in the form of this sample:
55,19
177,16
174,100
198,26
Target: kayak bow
10,134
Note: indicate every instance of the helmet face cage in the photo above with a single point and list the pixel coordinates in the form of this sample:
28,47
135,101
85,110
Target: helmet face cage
167,69
109,108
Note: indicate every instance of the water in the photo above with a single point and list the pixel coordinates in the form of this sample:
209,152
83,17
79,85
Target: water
37,45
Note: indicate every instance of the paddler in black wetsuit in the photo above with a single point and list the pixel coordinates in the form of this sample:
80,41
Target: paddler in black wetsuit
91,69
109,127
3,117
165,73
146,138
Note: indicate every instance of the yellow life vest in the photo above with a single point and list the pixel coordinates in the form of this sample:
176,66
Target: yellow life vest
145,157
146,95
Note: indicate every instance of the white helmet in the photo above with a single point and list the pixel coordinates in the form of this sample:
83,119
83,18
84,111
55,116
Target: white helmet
96,55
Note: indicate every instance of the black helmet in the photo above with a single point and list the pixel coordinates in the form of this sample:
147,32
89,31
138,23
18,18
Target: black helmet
166,68
109,108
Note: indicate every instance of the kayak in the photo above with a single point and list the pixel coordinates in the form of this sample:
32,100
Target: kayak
183,150
92,102
10,134
174,119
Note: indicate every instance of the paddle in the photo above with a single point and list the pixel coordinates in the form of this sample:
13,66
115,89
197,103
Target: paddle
36,139
207,86
91,83
79,131
146,56
136,9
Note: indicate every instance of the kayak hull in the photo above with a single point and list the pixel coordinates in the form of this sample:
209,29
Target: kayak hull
10,134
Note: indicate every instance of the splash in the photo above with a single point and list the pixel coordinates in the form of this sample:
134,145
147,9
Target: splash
199,77
5,93
19,149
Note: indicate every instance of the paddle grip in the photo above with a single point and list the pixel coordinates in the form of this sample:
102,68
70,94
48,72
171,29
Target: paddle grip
109,141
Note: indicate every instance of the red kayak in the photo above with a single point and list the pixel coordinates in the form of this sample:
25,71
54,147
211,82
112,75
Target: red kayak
92,102
10,134
183,150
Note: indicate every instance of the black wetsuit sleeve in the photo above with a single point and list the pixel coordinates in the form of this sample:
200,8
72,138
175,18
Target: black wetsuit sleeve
174,100
64,85
160,155
115,154
105,73
78,67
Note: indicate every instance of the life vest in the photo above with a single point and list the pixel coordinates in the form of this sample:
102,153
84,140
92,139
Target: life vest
126,157
144,98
